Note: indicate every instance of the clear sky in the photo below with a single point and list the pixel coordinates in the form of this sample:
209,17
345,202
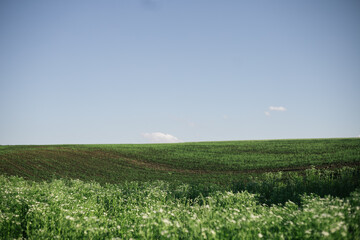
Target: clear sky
138,71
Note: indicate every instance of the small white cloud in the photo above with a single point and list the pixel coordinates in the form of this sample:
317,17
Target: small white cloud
277,109
158,137
225,117
280,109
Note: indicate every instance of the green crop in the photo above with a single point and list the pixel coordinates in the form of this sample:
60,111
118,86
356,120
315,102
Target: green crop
279,189
215,162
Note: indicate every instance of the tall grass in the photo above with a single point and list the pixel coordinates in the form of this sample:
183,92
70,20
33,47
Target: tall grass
73,209
280,187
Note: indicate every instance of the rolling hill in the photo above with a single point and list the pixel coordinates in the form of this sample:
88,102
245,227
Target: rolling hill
186,162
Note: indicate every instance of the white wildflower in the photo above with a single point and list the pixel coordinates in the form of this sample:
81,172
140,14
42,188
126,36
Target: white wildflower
166,221
70,218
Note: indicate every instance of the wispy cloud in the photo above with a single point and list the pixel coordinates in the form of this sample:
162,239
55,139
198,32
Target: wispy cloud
273,108
280,109
159,137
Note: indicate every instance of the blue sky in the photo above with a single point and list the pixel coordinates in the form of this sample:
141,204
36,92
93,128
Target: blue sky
121,71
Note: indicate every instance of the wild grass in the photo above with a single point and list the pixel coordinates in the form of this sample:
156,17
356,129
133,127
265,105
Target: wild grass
73,209
283,189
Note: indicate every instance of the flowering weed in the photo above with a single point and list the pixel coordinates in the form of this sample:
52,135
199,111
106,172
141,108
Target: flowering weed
73,209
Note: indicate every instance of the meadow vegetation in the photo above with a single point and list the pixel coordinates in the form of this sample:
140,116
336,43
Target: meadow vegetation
73,209
304,189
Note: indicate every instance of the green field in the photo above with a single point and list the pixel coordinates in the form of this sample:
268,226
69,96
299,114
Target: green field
186,162
278,189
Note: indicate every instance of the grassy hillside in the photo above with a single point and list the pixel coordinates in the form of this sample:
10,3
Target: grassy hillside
251,199
188,162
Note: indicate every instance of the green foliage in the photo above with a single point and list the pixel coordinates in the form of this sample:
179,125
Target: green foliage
207,162
280,187
243,155
211,190
73,209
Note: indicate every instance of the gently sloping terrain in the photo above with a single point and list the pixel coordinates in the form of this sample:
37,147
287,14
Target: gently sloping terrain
207,161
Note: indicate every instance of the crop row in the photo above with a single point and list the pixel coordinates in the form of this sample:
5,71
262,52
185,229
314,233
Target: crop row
243,155
219,162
